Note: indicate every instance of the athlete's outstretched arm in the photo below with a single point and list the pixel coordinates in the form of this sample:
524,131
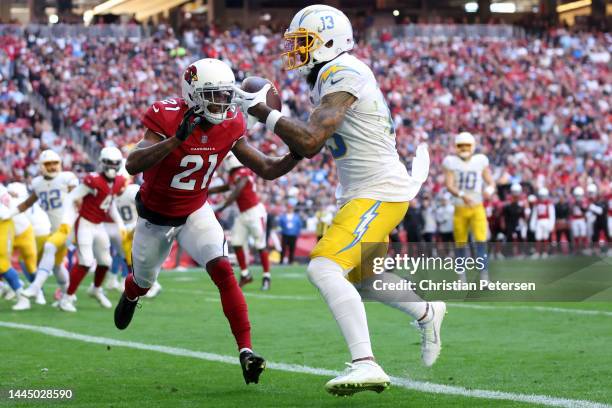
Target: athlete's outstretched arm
242,182
264,166
29,202
307,138
149,151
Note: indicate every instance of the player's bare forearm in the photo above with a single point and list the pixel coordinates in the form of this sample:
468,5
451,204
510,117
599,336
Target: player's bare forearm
264,166
235,193
449,181
27,203
149,151
308,138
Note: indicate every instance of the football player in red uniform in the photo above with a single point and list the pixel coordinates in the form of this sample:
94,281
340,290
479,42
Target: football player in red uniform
579,208
97,193
251,223
185,141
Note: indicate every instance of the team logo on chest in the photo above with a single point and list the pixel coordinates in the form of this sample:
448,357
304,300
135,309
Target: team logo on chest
204,139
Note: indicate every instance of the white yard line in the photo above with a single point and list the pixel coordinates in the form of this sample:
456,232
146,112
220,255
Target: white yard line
294,368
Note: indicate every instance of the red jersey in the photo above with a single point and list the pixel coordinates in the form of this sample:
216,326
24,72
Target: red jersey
96,204
542,208
579,209
247,198
178,185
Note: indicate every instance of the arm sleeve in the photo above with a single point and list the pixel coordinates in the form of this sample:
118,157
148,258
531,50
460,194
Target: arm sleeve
447,163
114,214
79,192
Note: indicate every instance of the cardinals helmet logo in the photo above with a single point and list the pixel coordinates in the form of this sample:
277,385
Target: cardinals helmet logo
191,74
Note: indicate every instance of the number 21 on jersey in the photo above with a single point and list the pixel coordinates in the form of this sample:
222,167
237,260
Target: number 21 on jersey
184,179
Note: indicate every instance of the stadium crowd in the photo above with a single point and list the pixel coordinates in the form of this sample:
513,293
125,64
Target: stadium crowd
540,106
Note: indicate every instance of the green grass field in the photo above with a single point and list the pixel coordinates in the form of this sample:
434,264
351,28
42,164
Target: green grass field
507,351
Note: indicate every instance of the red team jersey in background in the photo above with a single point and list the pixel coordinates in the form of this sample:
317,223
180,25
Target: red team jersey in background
178,185
579,209
541,208
95,205
247,198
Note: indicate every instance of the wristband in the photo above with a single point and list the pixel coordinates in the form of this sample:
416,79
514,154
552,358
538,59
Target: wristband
461,194
273,117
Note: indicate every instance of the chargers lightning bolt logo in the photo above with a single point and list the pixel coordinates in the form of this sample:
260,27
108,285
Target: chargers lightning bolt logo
331,71
364,223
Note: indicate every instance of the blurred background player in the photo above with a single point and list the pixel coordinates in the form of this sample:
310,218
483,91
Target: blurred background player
514,218
7,239
250,225
352,119
50,190
597,218
465,174
562,225
290,224
578,225
542,222
185,140
97,193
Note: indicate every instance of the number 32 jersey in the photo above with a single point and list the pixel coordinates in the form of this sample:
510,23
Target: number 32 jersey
51,194
468,175
178,185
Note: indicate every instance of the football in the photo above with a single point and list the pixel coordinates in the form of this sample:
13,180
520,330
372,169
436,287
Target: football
255,83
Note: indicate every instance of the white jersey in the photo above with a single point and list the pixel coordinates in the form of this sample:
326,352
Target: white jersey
364,145
468,175
126,205
20,221
39,220
51,194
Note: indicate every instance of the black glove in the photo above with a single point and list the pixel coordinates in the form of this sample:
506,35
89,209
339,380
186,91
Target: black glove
187,125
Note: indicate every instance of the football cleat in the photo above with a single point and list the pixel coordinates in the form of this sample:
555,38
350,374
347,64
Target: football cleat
363,375
98,294
154,290
245,280
265,284
9,294
40,298
23,303
124,311
113,284
431,342
31,291
66,304
252,366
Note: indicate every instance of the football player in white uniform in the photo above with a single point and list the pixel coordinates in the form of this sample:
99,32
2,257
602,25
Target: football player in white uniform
465,174
352,119
50,190
542,222
8,212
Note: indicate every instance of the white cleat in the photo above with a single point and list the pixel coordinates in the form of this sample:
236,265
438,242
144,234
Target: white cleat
31,291
363,375
99,295
154,290
66,304
9,294
23,303
431,342
40,298
113,284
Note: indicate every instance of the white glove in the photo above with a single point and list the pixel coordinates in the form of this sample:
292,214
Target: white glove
420,164
247,100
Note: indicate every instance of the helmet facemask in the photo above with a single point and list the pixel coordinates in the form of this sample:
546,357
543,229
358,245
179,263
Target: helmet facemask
50,169
215,103
299,46
110,168
464,150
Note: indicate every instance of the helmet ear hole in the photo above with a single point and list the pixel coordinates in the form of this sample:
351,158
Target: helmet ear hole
329,44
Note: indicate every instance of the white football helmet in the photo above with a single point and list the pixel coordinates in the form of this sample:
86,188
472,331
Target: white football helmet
317,34
592,190
516,189
578,191
208,85
462,139
50,163
543,192
231,162
110,161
